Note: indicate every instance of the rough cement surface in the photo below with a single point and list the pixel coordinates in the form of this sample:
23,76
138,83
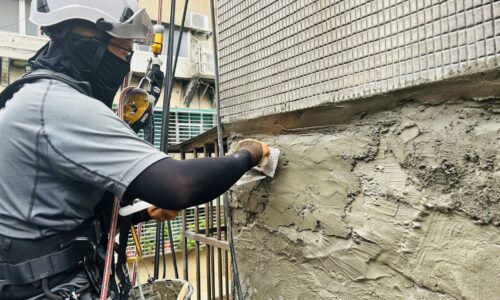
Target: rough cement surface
400,204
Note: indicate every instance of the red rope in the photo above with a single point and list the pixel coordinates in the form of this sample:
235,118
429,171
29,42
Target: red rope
109,253
160,6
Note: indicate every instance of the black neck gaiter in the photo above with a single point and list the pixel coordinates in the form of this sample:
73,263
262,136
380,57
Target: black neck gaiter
79,57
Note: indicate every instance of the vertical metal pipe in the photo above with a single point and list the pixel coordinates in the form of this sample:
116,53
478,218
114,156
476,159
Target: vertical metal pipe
168,75
185,245
219,233
172,249
171,31
207,234
179,43
162,243
197,249
212,257
226,273
165,134
226,258
234,261
184,238
157,251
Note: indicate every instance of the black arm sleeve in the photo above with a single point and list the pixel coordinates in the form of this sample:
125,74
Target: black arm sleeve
179,184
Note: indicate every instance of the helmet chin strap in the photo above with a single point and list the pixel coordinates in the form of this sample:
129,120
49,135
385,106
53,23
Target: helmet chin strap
62,36
77,64
100,53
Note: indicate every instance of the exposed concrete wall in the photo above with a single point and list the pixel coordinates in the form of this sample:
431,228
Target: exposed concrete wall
287,55
393,204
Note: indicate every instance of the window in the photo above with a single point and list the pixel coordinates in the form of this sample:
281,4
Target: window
9,15
184,124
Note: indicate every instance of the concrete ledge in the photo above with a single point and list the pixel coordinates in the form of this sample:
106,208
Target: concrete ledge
20,47
478,87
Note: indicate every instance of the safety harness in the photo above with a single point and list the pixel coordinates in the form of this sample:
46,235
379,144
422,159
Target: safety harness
81,86
86,251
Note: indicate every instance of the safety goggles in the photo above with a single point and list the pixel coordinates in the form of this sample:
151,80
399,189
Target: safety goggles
129,52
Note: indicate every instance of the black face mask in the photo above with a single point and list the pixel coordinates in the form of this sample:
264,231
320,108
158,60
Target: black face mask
105,75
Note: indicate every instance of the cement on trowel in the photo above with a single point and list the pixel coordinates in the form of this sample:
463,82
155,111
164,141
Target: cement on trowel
399,204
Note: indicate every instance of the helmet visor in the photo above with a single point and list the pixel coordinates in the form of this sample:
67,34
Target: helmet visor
138,28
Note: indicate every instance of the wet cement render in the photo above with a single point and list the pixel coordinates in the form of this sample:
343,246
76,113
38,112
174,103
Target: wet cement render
400,203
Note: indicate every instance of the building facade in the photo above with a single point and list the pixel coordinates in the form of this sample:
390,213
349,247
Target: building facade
387,116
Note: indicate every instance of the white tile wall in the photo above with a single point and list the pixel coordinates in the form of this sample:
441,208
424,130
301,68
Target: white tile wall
292,54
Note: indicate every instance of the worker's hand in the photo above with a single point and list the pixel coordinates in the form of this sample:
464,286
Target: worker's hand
160,214
259,151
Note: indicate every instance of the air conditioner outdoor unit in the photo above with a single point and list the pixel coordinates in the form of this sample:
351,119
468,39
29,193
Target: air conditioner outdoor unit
197,22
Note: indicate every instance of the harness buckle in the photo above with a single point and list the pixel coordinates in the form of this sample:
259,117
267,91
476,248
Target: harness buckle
86,241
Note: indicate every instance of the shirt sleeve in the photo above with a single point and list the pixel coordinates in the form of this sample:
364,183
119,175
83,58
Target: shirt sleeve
87,142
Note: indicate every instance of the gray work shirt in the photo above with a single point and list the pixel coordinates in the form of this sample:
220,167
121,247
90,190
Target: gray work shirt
59,152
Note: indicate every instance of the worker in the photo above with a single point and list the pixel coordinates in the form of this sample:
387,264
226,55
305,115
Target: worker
64,153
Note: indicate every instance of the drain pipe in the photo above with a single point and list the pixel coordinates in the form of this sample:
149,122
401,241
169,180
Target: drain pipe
225,197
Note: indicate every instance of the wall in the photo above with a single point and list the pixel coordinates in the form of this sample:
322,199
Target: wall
197,6
395,204
288,55
387,116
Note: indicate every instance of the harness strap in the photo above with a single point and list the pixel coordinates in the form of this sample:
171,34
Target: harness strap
121,263
44,266
81,86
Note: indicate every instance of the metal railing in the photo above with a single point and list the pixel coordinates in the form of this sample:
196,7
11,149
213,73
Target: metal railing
214,237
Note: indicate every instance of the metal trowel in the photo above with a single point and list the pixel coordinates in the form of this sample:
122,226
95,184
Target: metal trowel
265,169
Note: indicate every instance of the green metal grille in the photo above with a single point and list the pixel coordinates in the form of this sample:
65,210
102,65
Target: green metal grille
184,124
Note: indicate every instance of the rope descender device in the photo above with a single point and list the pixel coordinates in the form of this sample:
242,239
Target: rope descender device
138,107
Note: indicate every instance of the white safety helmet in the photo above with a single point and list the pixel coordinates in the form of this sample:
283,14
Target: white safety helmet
119,18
